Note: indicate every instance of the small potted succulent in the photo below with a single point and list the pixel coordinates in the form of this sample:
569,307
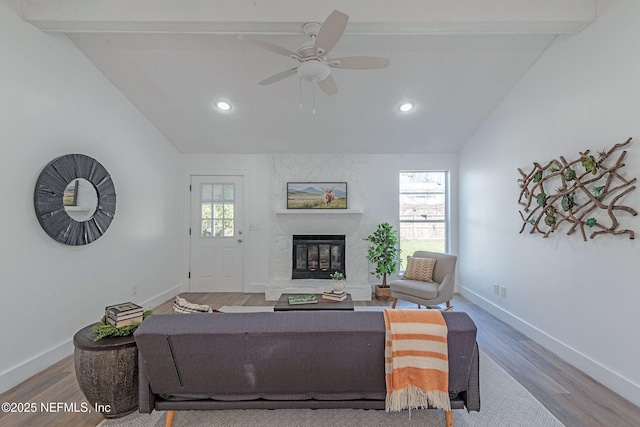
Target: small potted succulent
338,281
385,255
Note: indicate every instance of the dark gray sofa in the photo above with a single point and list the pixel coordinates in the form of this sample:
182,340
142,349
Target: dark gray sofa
306,359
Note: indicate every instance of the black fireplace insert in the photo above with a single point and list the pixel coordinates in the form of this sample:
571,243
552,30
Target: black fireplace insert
318,256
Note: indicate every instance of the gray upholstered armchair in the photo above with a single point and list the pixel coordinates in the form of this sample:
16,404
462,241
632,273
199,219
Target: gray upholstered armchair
428,293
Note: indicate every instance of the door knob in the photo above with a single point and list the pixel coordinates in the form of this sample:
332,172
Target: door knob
239,240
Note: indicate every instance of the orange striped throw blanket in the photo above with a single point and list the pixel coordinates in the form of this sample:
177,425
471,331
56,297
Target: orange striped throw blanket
416,360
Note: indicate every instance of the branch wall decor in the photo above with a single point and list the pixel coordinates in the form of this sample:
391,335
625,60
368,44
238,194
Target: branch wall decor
584,193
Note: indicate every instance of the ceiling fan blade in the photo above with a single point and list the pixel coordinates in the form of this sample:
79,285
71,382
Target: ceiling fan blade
277,77
330,32
268,46
359,62
328,86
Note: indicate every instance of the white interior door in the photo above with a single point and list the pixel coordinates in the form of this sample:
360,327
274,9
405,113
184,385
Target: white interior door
217,234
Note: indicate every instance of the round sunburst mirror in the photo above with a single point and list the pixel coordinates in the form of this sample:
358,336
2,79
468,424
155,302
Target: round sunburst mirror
75,199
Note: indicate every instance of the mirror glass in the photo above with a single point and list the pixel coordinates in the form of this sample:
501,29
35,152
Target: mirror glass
80,199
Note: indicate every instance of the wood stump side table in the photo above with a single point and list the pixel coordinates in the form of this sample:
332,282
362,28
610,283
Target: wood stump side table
107,372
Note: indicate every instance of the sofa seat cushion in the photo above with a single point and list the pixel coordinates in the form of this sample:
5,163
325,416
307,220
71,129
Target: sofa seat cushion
416,288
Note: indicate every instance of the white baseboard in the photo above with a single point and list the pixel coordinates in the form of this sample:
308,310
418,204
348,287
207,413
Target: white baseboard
15,375
599,372
163,297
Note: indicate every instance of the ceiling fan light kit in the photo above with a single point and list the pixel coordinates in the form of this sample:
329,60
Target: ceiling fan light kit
315,64
314,70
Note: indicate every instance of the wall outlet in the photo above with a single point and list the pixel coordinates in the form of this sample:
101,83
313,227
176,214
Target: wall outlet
134,290
496,289
503,291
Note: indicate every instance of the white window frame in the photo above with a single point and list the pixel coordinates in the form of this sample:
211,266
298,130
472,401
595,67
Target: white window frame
445,221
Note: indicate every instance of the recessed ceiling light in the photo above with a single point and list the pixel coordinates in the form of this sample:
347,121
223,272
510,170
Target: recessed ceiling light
407,106
223,105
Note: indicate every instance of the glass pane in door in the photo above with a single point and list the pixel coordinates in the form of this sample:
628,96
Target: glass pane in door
217,213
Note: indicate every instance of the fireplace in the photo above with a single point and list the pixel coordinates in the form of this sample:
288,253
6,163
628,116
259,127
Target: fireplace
317,256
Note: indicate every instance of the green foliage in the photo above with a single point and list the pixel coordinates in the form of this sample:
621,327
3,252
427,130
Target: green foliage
597,191
337,276
537,177
550,218
602,154
552,169
541,199
103,329
590,164
568,202
383,251
591,222
569,174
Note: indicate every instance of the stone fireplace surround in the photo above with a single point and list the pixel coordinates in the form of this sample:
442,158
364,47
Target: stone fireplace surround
285,223
289,224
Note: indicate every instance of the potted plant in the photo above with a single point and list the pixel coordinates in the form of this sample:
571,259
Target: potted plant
338,281
385,255
104,329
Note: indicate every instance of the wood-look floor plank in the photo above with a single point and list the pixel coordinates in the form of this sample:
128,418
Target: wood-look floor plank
581,401
572,396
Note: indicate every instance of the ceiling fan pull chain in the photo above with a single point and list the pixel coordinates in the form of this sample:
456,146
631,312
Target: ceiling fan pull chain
300,92
314,98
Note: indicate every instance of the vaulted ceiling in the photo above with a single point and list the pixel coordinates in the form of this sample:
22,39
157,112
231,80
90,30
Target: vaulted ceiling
455,60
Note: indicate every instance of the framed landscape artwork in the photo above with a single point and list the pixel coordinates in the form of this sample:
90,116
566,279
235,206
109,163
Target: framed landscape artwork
316,195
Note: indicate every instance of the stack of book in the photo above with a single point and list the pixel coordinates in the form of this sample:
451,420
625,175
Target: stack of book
124,314
335,296
303,299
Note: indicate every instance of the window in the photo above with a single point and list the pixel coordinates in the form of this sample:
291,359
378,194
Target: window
217,201
423,212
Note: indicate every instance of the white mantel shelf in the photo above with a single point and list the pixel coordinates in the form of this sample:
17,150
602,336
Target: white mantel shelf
319,211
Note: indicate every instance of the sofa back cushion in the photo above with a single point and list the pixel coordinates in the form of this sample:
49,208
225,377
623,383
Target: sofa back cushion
324,355
297,355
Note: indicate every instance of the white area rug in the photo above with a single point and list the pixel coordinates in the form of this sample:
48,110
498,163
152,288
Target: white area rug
503,403
245,309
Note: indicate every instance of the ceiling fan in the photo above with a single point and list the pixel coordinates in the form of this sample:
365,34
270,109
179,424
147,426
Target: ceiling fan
315,64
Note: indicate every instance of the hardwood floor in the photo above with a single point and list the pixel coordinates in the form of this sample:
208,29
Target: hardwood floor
573,397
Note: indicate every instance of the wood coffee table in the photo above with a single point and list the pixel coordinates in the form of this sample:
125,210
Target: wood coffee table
322,304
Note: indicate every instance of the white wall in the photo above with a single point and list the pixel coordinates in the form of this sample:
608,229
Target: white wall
53,101
377,177
580,299
255,169
382,200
